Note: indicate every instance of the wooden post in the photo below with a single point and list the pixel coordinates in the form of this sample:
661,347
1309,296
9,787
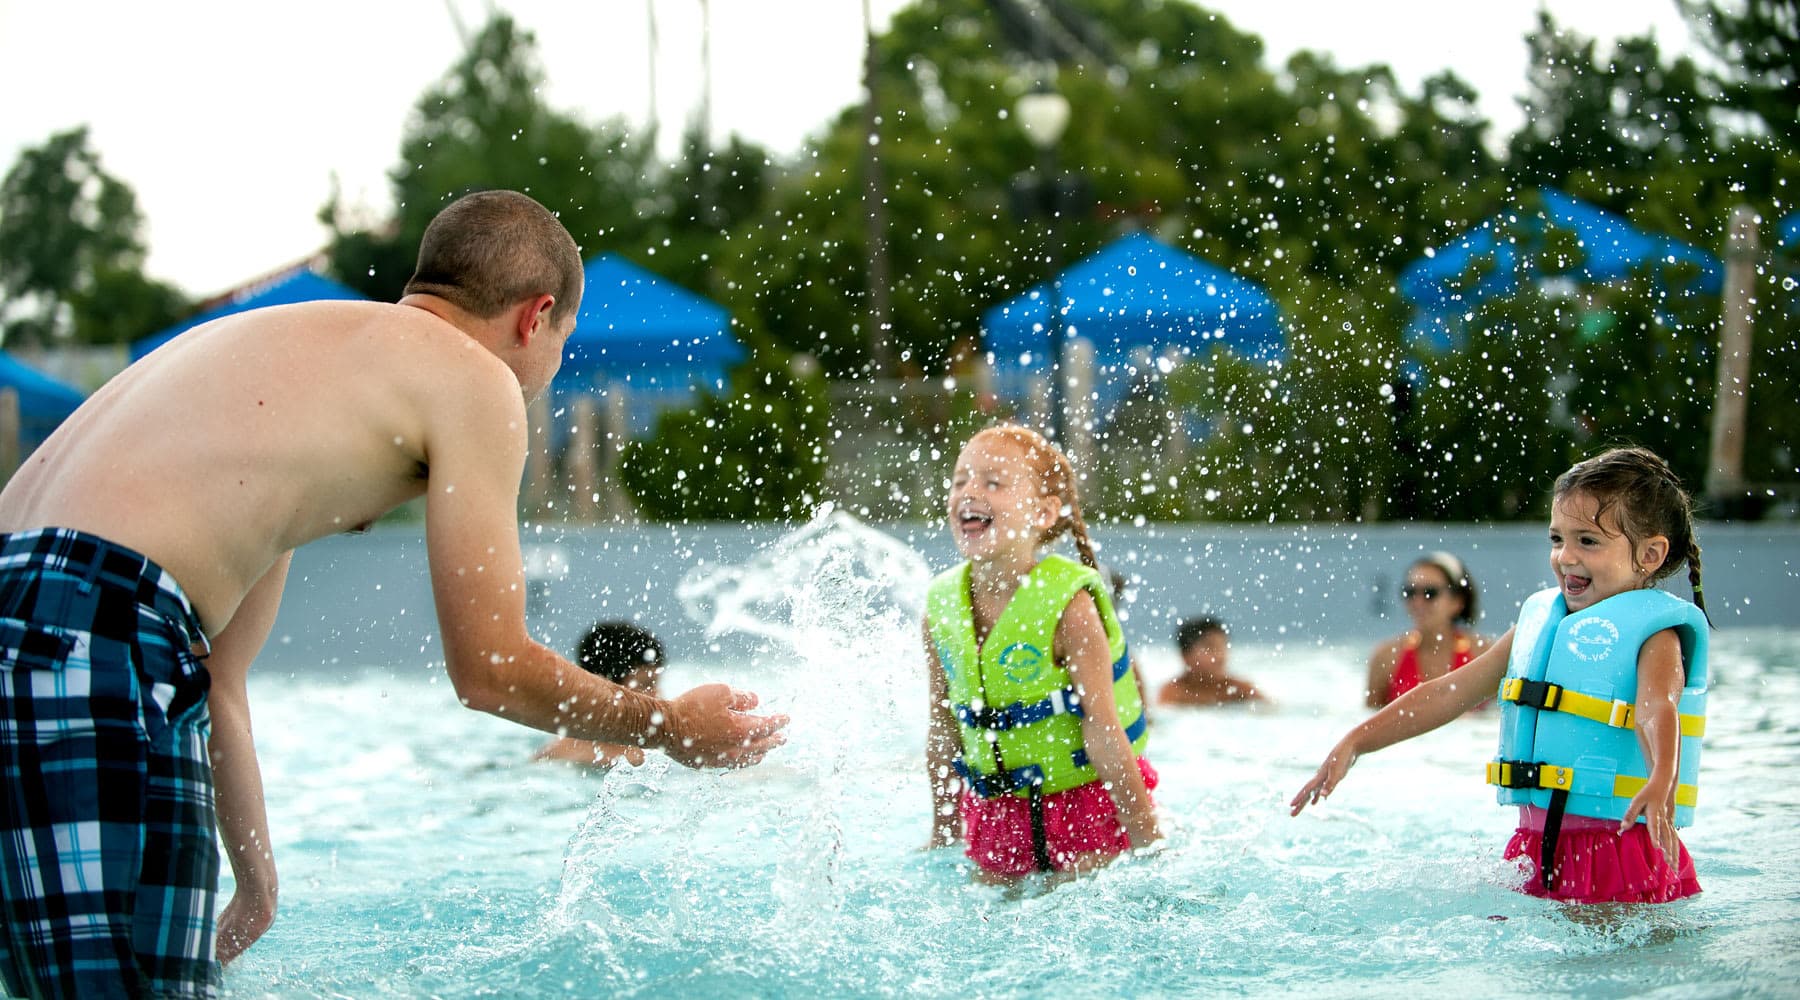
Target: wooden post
536,492
10,446
584,481
616,503
1078,418
1725,465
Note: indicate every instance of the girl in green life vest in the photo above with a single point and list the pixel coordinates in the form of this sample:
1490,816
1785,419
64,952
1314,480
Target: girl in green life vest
1602,691
1036,729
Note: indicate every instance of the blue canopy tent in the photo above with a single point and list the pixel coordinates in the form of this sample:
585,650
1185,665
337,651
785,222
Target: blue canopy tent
1493,258
1134,297
301,284
44,402
661,341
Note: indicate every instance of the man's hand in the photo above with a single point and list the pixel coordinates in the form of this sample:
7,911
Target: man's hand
709,727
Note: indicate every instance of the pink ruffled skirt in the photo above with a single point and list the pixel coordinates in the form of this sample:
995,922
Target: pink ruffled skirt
1595,864
1077,821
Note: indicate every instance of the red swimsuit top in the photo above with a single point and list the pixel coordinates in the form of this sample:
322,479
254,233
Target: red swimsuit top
1406,672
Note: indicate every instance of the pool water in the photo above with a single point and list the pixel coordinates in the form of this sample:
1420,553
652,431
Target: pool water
421,855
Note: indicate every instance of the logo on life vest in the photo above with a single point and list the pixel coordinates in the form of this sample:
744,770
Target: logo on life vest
1022,662
1592,639
947,660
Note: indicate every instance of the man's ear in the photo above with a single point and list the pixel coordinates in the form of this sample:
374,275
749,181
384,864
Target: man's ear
534,316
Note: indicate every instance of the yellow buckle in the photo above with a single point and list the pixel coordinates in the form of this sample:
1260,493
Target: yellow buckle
1556,777
1509,689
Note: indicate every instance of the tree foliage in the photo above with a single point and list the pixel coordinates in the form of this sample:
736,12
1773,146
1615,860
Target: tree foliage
72,251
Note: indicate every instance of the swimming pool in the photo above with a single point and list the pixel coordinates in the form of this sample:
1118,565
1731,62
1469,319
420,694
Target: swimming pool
420,854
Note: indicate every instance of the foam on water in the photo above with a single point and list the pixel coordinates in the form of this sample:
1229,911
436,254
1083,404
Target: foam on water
421,855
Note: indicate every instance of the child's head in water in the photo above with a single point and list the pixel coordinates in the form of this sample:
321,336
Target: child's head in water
1620,521
1204,645
622,653
1013,491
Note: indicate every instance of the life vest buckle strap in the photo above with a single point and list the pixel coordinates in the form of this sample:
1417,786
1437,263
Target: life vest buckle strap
1541,695
1623,715
1526,774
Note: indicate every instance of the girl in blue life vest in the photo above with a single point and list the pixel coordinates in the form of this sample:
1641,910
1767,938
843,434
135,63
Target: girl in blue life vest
1602,688
1035,714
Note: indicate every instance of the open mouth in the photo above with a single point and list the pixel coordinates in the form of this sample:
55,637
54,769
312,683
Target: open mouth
971,523
1575,586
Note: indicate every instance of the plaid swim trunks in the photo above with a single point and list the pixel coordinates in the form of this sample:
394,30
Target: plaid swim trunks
108,864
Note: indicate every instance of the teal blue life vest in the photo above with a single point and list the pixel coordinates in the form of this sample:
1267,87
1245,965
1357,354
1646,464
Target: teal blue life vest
1568,740
1016,707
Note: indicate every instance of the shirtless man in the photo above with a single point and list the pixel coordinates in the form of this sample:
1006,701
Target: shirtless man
162,516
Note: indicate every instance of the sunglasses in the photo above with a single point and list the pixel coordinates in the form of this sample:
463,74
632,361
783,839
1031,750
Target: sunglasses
1409,592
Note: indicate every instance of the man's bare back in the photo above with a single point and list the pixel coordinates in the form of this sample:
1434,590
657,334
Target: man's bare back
256,434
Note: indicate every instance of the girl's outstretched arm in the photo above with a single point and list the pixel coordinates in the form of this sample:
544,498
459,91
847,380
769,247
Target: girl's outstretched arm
941,745
1420,710
1660,679
1082,648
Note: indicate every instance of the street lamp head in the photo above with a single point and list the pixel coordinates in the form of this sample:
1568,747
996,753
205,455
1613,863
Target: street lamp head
1044,113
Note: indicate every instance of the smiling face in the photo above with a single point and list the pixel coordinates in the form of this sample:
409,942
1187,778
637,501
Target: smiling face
1591,555
997,508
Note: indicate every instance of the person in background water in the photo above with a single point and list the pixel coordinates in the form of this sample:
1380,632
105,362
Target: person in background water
1440,597
628,656
1205,644
1033,706
1602,687
145,548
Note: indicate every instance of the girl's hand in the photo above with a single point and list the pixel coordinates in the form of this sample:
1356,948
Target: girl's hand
1336,765
1656,804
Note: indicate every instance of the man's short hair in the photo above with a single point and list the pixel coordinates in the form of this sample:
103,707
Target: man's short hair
492,249
1197,628
614,649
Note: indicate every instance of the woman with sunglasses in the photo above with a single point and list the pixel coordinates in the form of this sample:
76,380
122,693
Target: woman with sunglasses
1439,596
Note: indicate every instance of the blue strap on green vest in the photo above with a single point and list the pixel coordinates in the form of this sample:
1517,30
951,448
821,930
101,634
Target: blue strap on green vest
1031,775
1020,714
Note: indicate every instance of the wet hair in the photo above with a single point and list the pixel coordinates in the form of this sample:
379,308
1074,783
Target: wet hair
614,649
1461,583
1056,476
1647,498
1197,628
493,249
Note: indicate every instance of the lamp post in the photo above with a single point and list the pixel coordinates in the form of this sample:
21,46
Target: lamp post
1044,114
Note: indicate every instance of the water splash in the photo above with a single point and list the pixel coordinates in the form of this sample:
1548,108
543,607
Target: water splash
823,586
841,605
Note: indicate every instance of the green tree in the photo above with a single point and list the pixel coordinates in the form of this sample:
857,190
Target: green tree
486,126
754,452
1757,44
71,253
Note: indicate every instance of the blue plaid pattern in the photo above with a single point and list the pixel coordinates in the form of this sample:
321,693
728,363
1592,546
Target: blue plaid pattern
108,865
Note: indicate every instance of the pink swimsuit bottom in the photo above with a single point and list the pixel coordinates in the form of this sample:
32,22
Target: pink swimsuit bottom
1595,864
1076,821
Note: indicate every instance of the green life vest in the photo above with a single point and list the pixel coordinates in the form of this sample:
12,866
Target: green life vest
1017,709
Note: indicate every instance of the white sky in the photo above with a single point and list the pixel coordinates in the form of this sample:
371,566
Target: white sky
229,119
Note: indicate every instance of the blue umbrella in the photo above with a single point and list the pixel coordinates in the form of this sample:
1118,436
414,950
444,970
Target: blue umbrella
633,321
44,402
1137,292
1491,259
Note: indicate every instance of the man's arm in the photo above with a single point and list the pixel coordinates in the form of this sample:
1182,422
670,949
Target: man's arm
237,778
475,451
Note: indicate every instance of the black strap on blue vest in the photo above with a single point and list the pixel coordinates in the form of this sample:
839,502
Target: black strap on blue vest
1524,774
